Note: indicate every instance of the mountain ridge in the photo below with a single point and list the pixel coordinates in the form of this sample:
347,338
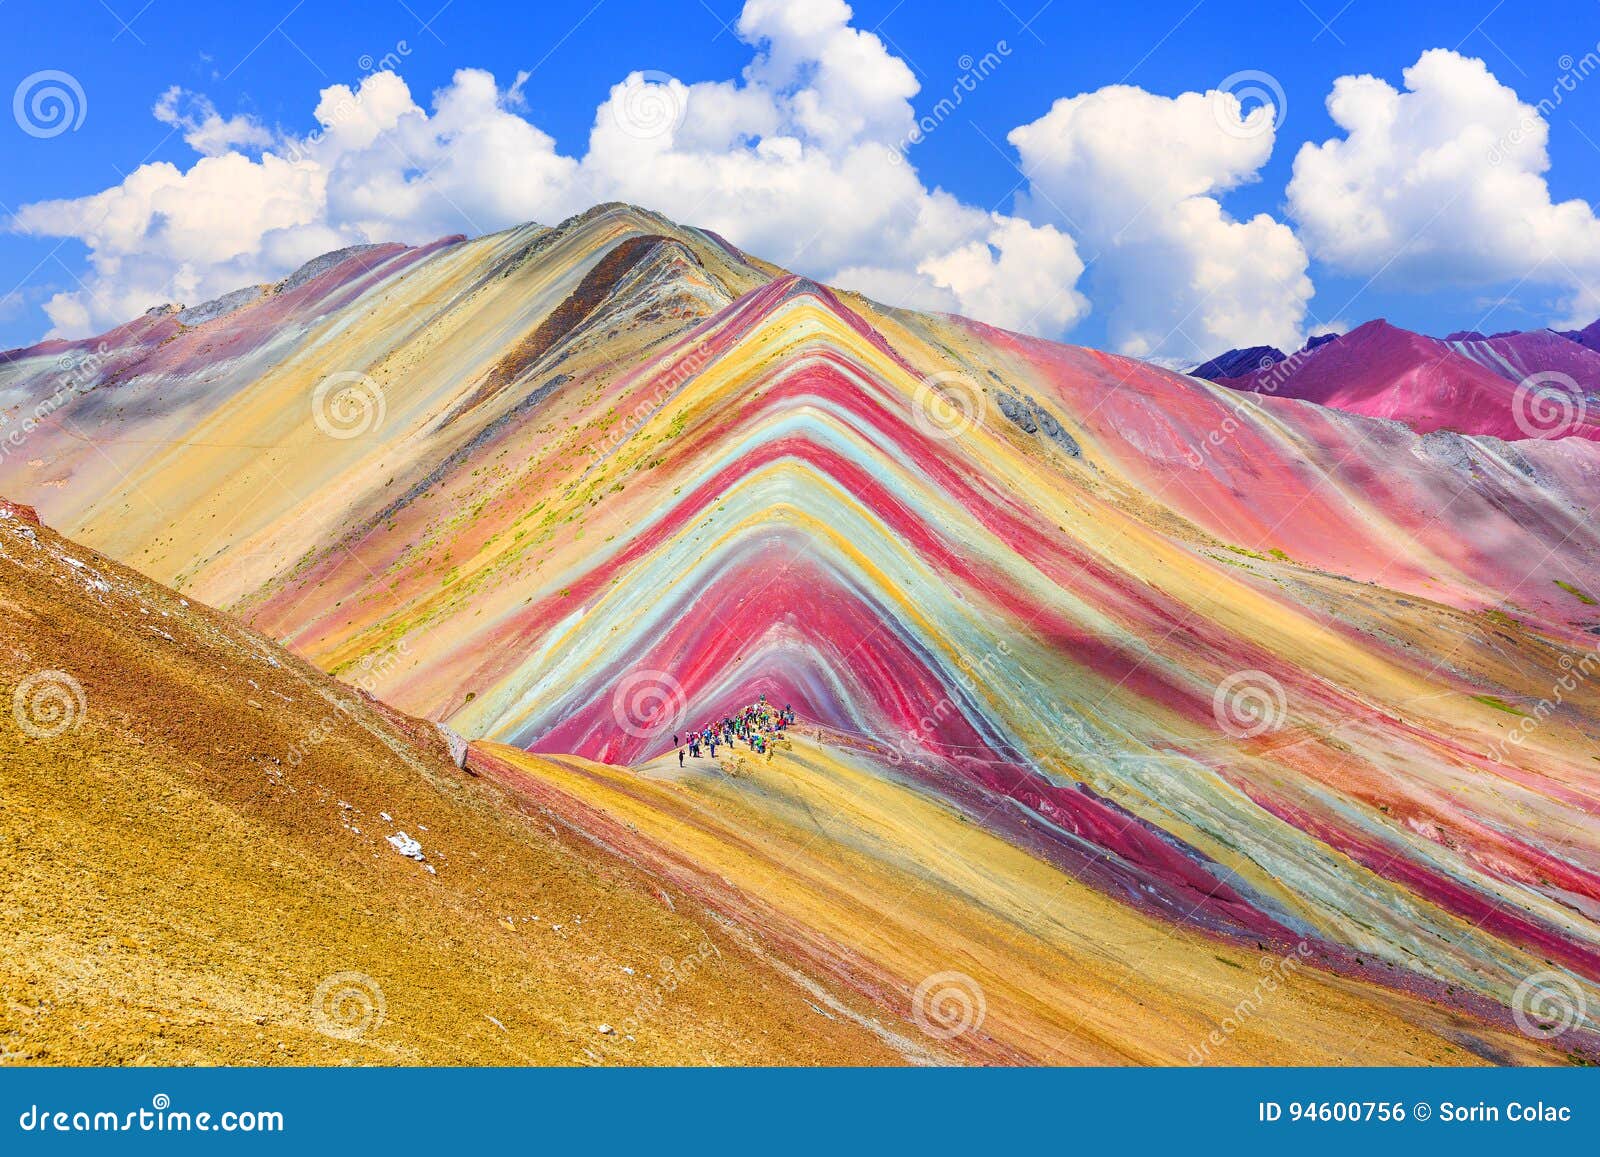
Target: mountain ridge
1515,385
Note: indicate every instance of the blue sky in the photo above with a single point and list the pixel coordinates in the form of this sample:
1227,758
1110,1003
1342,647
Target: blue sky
269,61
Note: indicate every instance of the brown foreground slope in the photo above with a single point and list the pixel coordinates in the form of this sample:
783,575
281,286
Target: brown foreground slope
195,827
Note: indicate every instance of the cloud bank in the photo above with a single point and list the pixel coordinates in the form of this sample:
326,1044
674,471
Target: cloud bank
798,160
803,159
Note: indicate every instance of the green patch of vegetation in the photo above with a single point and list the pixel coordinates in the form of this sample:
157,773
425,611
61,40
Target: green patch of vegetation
1498,704
1581,596
1274,553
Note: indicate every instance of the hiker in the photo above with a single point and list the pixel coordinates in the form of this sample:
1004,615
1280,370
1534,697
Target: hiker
680,753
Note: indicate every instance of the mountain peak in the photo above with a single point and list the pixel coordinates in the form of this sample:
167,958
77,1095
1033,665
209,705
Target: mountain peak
1238,362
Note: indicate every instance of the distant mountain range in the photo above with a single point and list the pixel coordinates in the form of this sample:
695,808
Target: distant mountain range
1514,385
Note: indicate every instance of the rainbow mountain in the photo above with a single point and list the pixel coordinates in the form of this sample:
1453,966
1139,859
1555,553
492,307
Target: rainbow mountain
1235,676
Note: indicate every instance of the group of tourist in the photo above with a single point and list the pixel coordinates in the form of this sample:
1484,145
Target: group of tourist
757,725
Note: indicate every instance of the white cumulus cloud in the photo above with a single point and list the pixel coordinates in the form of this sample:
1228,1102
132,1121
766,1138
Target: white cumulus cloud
1137,178
204,129
1441,184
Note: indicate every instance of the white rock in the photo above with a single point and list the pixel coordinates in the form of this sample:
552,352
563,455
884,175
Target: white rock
406,846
